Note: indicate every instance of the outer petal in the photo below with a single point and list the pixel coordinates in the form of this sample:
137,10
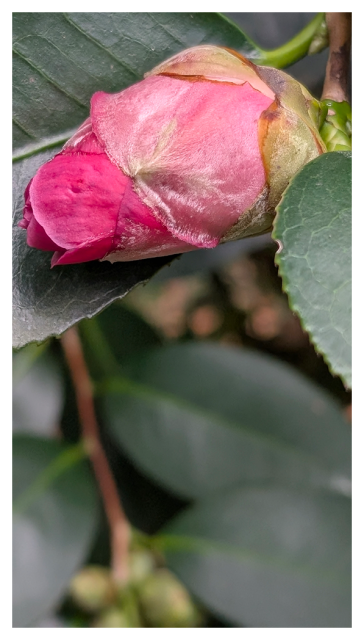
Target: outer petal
83,141
36,236
83,253
294,97
76,199
287,144
208,62
192,152
288,131
139,234
90,207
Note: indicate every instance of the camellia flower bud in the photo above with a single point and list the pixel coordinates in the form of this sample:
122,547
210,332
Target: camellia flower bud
197,153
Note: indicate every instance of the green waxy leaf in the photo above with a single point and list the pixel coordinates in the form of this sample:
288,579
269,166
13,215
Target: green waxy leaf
37,391
60,60
266,557
112,338
313,229
201,426
55,514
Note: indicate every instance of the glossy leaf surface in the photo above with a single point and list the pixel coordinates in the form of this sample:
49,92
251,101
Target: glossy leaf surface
267,557
313,228
55,511
202,425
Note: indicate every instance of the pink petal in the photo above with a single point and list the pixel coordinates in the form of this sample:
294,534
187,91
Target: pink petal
83,141
37,237
76,199
85,208
82,254
192,151
139,234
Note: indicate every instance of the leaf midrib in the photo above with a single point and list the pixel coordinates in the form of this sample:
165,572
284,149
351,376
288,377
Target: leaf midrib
127,386
180,543
56,468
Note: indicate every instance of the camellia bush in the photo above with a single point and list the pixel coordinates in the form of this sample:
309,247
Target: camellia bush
174,481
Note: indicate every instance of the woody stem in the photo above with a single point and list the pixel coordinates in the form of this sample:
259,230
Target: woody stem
338,65
118,523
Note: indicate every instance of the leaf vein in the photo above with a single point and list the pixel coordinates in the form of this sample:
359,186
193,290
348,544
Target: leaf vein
100,45
51,80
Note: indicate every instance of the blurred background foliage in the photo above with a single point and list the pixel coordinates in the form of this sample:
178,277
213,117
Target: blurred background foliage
228,437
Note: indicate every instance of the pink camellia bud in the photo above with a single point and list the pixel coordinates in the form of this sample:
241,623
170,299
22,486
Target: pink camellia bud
197,153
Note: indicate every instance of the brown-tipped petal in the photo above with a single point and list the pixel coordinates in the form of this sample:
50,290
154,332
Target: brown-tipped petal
286,144
213,63
295,98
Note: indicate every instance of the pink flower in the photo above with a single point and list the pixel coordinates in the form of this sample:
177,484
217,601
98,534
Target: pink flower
197,153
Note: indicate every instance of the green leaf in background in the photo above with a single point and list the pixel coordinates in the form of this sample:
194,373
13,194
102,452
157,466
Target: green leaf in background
55,514
60,60
114,336
37,390
192,416
266,557
313,229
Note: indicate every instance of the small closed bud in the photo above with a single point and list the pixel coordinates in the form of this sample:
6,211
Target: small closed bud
164,602
113,617
335,125
141,563
197,153
93,589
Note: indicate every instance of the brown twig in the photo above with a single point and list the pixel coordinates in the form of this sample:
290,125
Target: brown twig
119,525
338,65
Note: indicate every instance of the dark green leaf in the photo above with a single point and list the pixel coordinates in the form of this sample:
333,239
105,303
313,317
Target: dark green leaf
55,511
198,418
38,394
25,358
266,557
116,335
313,228
60,60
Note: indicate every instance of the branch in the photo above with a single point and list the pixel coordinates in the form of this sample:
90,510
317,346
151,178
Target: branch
118,523
338,65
